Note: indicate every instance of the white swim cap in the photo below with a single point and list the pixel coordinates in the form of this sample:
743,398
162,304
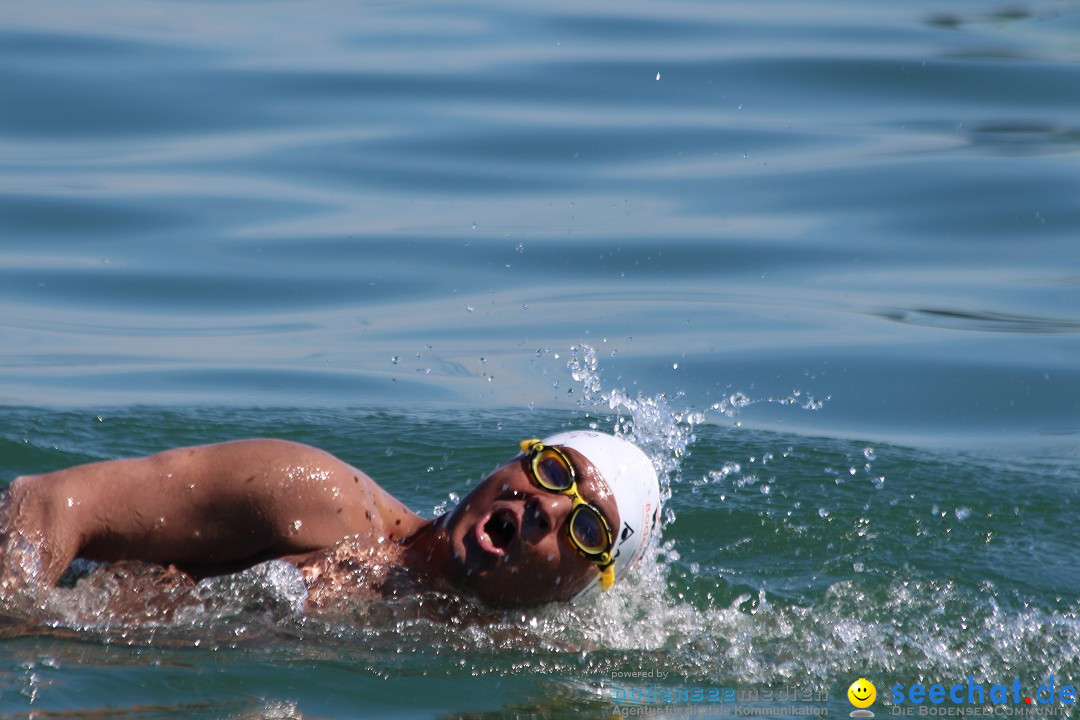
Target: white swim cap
632,479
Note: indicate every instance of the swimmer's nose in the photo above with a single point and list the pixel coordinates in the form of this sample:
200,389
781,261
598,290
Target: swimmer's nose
541,515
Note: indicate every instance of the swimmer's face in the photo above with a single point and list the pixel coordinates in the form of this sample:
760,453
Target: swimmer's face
508,536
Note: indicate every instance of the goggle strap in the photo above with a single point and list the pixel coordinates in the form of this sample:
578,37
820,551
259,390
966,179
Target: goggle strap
527,445
607,576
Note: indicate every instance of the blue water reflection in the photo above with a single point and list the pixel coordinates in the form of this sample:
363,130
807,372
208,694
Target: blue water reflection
876,204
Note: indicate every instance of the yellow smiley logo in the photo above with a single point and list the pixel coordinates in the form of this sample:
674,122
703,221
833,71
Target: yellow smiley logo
862,693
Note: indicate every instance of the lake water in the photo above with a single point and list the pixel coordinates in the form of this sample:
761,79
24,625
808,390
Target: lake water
820,259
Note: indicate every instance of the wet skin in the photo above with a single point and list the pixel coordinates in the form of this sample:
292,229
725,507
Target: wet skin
219,508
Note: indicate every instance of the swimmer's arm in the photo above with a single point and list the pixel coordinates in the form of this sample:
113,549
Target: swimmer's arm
207,506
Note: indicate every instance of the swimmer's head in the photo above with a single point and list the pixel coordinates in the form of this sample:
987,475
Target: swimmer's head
631,479
519,539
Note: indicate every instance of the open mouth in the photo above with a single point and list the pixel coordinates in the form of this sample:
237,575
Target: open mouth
497,532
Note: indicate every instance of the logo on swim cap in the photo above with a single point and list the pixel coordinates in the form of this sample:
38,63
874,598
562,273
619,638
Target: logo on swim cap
632,479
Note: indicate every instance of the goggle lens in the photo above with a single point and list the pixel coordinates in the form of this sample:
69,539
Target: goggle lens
552,471
589,531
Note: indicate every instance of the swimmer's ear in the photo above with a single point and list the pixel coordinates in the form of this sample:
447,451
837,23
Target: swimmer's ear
607,576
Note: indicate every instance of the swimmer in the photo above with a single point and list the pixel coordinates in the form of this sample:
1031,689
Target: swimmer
568,514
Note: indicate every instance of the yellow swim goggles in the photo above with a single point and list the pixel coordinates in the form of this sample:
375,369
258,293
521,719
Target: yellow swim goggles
587,528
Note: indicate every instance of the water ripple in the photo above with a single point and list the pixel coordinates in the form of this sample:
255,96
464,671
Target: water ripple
981,321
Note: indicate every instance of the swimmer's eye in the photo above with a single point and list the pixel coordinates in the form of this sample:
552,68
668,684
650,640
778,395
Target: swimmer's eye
590,532
548,466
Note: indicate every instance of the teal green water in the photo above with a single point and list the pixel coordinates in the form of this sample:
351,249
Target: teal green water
811,563
823,257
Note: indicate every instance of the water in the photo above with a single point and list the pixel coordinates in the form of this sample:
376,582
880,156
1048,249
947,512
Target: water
822,256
